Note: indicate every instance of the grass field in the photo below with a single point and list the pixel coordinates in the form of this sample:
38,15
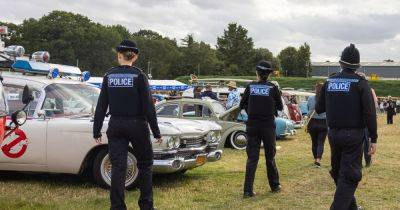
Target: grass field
382,87
219,185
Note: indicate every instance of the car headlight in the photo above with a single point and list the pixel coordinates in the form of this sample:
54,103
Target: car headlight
172,142
213,136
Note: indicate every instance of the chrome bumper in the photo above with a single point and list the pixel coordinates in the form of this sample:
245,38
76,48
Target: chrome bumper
178,164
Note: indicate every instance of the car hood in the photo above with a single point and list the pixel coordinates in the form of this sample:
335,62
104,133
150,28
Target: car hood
189,127
232,112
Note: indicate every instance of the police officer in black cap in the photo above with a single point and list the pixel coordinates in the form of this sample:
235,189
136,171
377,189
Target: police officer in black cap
125,92
261,100
347,100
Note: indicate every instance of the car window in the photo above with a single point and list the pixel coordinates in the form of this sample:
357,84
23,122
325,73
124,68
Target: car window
70,100
3,105
170,110
13,95
196,110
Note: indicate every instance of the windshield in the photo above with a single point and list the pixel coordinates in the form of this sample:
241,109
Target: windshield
70,100
218,108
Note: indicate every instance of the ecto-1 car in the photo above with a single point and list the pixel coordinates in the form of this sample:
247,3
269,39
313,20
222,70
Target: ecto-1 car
57,136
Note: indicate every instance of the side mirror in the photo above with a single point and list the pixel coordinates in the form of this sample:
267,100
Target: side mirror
19,117
27,95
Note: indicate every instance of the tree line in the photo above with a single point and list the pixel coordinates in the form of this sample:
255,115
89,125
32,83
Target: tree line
74,39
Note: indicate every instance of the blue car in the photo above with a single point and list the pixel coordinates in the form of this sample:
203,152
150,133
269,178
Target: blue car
284,127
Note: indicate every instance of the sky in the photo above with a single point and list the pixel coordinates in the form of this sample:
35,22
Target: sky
328,26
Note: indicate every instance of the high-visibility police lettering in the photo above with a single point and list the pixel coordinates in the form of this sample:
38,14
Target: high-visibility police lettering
259,90
120,80
339,86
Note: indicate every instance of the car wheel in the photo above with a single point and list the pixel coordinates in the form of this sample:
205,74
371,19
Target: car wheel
102,170
238,140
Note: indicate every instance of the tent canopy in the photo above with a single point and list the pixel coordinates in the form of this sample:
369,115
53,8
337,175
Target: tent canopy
155,85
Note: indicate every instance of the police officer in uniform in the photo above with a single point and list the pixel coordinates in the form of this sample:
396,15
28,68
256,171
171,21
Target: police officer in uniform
125,92
347,100
261,100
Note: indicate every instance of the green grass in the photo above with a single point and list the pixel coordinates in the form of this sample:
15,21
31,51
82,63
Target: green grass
219,185
382,87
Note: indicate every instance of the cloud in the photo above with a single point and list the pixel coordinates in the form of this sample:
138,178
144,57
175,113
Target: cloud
328,26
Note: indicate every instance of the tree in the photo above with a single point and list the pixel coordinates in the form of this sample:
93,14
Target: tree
71,39
235,49
287,59
265,54
197,57
296,62
158,54
303,60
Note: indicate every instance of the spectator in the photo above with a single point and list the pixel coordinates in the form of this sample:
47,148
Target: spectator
390,110
234,95
209,93
381,107
197,92
316,127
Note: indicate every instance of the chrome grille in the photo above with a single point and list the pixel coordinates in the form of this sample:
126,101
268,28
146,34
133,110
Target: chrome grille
188,154
193,142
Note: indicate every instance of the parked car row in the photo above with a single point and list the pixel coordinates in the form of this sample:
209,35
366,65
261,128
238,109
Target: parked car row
231,121
57,135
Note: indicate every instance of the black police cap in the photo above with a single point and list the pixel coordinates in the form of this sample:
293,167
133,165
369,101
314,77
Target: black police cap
127,45
264,66
350,57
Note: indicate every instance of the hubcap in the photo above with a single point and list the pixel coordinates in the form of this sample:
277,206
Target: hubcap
240,140
131,171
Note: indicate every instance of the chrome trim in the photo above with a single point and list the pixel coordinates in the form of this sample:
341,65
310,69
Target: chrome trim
214,155
171,165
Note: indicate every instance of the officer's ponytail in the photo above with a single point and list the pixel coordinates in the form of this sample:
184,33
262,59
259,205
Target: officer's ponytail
262,76
128,55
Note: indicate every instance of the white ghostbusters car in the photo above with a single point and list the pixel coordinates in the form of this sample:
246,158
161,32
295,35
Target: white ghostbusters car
57,135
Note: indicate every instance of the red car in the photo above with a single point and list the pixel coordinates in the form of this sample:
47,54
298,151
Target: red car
294,109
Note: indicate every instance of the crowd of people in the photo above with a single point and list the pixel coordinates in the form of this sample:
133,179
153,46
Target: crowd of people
390,107
344,109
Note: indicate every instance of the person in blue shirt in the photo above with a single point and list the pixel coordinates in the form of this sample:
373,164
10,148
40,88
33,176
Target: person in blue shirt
209,93
316,127
234,95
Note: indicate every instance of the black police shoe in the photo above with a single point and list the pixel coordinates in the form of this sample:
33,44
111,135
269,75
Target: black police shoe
249,194
276,189
368,164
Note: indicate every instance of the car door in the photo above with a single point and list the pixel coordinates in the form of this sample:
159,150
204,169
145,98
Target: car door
25,147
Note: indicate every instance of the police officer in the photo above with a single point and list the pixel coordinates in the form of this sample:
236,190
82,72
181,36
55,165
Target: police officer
125,92
347,100
261,100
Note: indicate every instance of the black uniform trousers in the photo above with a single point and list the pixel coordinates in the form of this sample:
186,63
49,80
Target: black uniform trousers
346,161
256,134
389,117
120,133
367,157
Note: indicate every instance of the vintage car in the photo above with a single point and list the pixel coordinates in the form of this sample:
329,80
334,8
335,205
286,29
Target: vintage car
300,98
233,128
59,131
3,111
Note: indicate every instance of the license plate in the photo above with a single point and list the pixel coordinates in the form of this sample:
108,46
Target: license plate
200,160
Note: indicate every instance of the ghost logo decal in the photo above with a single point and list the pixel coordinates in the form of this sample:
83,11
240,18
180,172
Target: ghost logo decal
8,149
